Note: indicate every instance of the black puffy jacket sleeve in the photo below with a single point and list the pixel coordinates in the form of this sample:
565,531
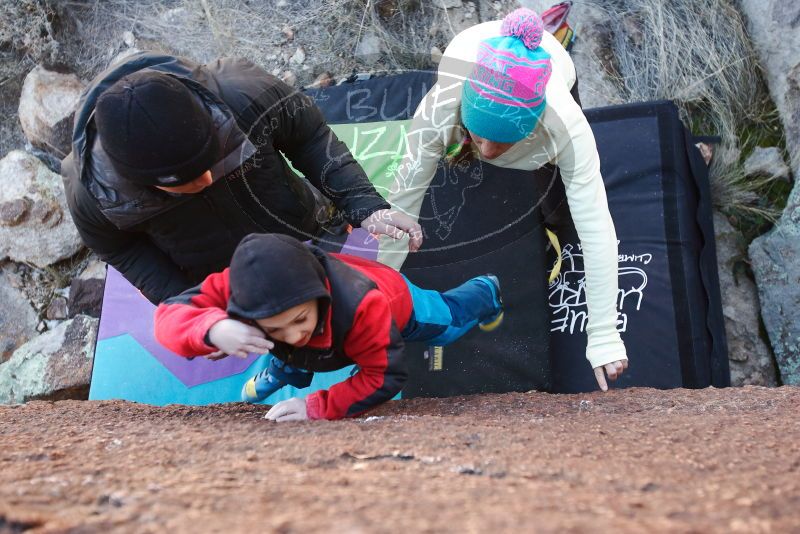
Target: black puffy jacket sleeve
293,124
131,253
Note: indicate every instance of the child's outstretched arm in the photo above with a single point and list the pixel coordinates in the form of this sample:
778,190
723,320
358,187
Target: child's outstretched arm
184,323
375,346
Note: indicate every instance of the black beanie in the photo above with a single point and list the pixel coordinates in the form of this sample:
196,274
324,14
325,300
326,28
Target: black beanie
271,273
155,130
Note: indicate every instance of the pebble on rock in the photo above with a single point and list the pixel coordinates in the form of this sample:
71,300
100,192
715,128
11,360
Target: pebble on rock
299,56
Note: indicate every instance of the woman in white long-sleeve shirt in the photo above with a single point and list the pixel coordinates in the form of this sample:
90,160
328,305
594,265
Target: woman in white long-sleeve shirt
503,92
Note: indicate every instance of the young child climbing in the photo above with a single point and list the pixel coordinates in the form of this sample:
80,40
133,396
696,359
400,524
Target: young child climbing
317,311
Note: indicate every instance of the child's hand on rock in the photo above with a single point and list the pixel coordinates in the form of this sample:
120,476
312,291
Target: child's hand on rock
293,409
238,339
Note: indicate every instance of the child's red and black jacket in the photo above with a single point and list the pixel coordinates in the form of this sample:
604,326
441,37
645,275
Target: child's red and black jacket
364,306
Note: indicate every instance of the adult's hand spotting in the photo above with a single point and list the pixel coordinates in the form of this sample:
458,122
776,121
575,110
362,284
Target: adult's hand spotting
614,370
395,225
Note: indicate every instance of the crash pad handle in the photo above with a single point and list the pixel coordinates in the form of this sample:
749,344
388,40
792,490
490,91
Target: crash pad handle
553,238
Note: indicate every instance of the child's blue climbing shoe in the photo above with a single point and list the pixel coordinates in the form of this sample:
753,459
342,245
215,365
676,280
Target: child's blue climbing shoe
273,378
495,320
260,386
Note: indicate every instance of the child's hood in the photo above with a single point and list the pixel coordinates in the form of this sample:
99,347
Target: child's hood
271,273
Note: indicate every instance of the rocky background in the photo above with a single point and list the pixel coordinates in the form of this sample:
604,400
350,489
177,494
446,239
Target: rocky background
732,67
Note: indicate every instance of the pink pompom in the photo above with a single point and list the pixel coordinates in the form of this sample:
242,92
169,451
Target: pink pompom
524,24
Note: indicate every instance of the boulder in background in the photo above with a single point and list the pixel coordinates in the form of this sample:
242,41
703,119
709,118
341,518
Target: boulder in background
18,319
751,362
776,264
774,26
35,226
54,366
47,108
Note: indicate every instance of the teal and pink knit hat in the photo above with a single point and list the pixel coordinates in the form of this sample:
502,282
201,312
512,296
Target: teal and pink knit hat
504,95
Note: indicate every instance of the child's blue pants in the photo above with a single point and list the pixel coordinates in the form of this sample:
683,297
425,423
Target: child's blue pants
441,318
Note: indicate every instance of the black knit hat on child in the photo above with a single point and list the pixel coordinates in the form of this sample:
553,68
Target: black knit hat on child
271,273
155,130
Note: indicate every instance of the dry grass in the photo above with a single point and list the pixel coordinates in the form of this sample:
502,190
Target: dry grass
328,30
698,54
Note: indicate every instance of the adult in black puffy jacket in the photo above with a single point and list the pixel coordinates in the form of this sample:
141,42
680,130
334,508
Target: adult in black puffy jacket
173,163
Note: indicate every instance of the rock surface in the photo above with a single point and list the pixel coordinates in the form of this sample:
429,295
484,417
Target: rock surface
55,365
776,264
436,55
299,56
626,461
18,319
47,107
57,309
750,359
767,162
775,28
86,291
369,48
35,225
447,4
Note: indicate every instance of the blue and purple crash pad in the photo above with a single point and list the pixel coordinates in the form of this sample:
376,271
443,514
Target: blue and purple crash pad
130,364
